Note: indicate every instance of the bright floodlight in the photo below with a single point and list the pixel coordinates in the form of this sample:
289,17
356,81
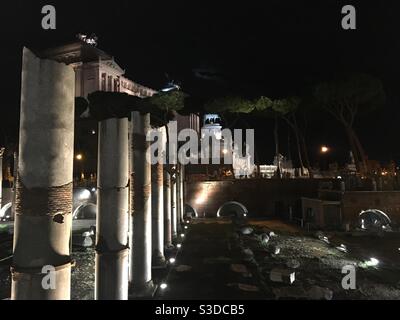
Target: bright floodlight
179,246
163,286
79,157
324,149
182,235
201,199
172,260
372,262
85,195
186,227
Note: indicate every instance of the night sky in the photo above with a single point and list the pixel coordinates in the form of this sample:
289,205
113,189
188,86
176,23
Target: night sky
249,48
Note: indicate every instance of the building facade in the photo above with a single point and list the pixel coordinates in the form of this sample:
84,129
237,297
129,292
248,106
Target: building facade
96,70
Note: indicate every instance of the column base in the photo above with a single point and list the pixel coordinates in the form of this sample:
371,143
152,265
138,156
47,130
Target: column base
28,283
158,261
143,291
111,275
169,248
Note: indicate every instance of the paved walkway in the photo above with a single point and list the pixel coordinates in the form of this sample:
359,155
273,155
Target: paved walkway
209,266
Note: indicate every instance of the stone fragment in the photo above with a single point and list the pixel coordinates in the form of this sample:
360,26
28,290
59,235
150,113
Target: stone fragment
239,268
246,231
319,293
293,263
183,268
282,275
248,254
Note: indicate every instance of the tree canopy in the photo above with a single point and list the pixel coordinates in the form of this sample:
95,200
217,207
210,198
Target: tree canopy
104,105
230,104
346,96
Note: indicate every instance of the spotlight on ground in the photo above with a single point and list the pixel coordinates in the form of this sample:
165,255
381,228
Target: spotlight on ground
163,286
373,262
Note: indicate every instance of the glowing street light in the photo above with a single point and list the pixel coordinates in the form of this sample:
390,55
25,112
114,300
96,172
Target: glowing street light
79,156
179,246
324,149
172,260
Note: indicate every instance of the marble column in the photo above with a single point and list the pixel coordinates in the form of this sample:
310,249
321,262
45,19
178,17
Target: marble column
41,267
141,240
167,210
112,211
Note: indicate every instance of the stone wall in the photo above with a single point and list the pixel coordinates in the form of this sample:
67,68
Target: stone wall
262,197
354,202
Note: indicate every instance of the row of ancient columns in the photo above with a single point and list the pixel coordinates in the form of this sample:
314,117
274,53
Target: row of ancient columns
152,226
140,208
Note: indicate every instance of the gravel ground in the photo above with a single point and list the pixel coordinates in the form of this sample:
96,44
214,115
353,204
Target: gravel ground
82,280
317,264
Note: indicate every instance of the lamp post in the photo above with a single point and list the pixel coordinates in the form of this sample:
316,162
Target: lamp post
324,152
79,158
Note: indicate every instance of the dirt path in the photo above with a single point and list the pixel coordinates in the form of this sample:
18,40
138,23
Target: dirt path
209,266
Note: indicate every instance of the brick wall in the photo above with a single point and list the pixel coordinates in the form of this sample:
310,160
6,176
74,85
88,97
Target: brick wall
354,202
262,197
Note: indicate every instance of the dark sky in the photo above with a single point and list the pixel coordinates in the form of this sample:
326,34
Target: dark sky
250,48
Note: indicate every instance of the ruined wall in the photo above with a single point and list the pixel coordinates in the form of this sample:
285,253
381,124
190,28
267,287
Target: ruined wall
262,197
354,202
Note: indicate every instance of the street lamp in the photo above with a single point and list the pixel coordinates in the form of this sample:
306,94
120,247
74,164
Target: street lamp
324,149
79,157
